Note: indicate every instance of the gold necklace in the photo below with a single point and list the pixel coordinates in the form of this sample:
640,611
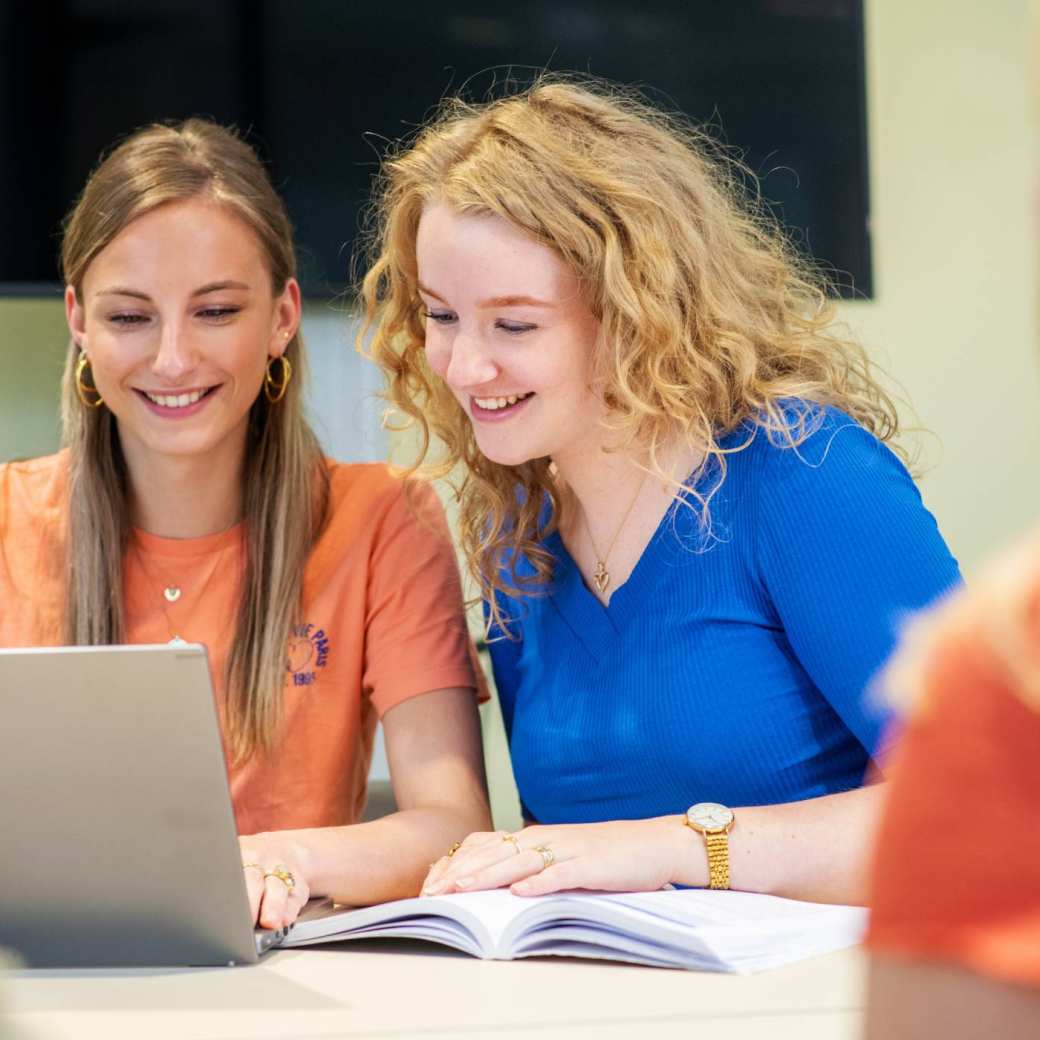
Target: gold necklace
171,592
601,576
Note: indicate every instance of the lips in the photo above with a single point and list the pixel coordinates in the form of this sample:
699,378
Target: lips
177,404
491,404
496,409
176,399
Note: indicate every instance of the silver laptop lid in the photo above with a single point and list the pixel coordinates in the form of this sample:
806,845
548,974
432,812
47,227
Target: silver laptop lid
119,843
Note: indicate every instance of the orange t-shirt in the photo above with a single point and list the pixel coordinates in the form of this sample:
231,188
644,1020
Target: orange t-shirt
957,872
381,622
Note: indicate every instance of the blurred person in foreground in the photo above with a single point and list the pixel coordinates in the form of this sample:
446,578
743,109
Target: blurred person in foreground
955,931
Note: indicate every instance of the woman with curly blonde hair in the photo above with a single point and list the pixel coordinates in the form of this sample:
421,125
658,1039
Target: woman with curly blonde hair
693,545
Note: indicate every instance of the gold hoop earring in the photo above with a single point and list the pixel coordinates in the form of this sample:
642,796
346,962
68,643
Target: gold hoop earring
88,393
274,390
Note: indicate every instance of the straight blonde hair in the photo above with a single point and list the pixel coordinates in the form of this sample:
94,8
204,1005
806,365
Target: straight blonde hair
710,319
285,479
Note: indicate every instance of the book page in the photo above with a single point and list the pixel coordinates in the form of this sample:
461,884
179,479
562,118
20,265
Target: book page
693,928
471,921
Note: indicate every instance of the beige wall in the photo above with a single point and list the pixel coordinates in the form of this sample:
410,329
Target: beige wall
33,341
954,319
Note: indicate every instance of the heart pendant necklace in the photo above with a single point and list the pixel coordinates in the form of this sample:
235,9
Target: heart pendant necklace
171,593
600,575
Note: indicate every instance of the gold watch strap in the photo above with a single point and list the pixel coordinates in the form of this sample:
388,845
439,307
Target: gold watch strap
718,859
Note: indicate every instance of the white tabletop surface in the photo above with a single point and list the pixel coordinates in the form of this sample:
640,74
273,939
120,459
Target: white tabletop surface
397,989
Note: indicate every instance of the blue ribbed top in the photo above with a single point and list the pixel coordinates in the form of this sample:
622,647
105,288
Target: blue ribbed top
733,667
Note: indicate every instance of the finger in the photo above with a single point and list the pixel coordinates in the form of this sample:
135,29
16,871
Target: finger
434,874
279,905
498,875
462,859
273,903
467,863
296,902
441,867
557,878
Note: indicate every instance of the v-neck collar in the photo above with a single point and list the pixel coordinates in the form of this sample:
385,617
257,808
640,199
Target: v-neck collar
598,627
595,625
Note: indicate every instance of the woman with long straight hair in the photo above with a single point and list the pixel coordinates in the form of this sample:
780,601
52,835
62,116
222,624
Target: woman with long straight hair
191,502
693,542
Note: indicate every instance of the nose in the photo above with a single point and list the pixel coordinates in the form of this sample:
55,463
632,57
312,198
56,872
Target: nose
175,356
469,364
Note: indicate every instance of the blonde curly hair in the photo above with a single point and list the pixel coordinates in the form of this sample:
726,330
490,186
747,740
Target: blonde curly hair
709,317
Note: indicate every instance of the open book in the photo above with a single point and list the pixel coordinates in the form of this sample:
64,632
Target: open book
691,928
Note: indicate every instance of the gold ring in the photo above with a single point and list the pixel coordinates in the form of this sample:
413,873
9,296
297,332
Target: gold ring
454,848
547,854
255,866
513,840
283,875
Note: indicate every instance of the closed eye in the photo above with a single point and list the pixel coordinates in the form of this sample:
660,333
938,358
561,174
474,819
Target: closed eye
218,313
440,317
128,320
515,327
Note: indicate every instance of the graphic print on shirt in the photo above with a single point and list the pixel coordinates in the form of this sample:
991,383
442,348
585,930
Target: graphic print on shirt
308,651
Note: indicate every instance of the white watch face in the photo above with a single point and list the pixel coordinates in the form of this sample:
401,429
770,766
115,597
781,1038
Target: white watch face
710,816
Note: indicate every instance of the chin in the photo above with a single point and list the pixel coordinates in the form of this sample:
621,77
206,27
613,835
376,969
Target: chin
501,458
184,446
507,454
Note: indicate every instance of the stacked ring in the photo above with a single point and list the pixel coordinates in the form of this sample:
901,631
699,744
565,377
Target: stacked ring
454,848
547,854
284,875
514,841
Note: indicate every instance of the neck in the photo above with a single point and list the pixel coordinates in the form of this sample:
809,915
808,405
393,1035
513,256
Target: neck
185,496
600,487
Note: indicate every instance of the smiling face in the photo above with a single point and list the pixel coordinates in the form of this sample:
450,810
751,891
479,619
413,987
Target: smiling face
178,319
508,330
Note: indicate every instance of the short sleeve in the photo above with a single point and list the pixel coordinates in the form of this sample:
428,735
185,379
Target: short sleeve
957,871
848,552
416,638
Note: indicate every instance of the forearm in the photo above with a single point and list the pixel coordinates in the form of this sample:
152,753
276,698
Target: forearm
816,850
385,859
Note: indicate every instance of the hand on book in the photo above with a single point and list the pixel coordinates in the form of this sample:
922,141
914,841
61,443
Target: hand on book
618,856
276,878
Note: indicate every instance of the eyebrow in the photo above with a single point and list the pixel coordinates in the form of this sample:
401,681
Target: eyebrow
122,290
495,301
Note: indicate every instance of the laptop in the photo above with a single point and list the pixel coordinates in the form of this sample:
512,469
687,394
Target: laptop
117,838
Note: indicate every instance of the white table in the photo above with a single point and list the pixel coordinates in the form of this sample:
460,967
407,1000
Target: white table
398,989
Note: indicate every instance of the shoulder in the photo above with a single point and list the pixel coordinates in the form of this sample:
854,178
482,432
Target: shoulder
807,439
32,488
369,502
813,456
375,487
359,481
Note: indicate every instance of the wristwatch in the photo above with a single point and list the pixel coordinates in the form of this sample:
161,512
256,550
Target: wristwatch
714,822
